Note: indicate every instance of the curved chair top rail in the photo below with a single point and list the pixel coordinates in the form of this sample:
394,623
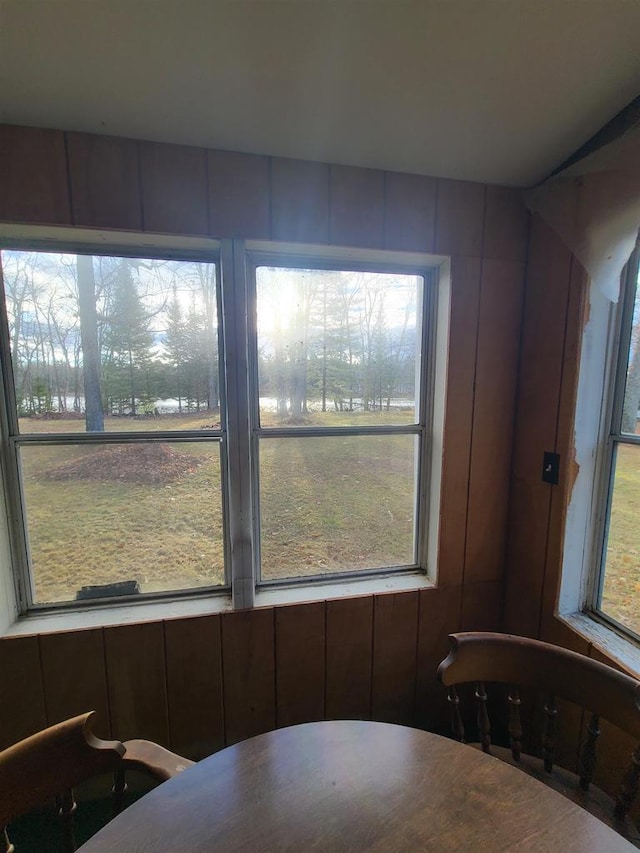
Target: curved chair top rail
484,656
50,762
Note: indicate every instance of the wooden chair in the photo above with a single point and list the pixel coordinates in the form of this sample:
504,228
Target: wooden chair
480,658
48,765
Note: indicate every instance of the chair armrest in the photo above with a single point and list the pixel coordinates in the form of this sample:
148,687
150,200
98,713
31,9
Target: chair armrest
153,759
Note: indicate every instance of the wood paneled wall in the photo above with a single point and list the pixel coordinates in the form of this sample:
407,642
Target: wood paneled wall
197,684
555,312
551,337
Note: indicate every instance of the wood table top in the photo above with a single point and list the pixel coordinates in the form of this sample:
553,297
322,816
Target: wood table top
353,786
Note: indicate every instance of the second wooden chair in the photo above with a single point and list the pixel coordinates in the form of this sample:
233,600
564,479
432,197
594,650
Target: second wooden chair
50,763
557,673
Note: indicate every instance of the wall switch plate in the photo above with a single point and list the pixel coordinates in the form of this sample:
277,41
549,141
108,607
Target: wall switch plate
551,468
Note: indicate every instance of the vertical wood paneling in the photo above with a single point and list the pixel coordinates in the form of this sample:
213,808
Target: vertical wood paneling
33,176
194,685
395,637
238,195
22,709
543,332
74,677
105,181
541,356
409,212
465,299
506,225
357,207
439,616
459,218
482,606
561,494
349,656
136,678
222,672
300,663
174,188
495,389
299,201
248,673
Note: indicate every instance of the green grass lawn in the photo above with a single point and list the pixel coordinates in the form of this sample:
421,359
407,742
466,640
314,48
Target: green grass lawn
621,592
328,504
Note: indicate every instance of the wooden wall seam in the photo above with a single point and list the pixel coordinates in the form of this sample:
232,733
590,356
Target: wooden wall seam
554,489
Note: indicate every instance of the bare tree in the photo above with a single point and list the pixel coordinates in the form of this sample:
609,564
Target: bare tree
94,417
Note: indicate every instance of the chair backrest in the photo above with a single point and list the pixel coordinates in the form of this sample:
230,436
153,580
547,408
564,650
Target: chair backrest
482,657
49,764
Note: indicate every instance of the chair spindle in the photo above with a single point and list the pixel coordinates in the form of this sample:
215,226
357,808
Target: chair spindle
457,726
515,724
548,734
629,787
480,658
67,808
118,791
588,756
8,846
484,724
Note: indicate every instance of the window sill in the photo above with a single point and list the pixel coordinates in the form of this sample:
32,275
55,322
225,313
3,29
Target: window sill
623,650
107,616
125,614
341,589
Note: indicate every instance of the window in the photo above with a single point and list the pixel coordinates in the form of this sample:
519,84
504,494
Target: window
116,443
617,592
213,419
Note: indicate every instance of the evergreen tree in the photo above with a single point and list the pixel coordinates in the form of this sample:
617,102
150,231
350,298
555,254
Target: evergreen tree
127,341
176,343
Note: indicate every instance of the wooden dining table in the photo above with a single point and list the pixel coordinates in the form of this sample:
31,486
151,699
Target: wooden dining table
353,786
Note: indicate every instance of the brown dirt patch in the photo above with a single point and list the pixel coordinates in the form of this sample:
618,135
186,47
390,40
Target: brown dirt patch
149,464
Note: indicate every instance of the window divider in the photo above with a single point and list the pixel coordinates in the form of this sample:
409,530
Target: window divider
234,321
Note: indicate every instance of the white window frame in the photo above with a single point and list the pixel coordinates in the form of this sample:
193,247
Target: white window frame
614,438
598,399
239,434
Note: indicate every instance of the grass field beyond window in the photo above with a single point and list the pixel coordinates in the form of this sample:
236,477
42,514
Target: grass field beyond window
621,590
150,511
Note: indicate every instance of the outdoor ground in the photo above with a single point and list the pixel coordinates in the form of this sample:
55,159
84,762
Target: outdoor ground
152,512
621,591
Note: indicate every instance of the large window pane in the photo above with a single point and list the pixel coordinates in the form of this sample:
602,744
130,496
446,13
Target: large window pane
621,587
337,347
336,504
107,344
148,512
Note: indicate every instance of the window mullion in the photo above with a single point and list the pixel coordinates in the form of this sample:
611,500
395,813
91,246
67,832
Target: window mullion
623,344
9,452
234,307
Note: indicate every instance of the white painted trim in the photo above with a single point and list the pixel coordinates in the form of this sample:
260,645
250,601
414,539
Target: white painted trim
127,614
436,438
591,424
621,649
109,240
346,253
585,516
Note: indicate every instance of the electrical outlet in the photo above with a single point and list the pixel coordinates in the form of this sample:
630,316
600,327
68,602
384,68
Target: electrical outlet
551,468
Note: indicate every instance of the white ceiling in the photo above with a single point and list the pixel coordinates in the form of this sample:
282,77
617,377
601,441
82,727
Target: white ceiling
488,90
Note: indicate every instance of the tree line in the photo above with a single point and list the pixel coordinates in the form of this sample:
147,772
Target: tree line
104,336
336,339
